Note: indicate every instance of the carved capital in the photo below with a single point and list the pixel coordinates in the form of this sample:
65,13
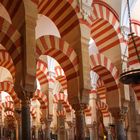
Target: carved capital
123,113
79,107
25,97
85,8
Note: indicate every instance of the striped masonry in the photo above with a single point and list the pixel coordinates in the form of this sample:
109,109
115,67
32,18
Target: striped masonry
64,100
9,114
136,89
6,62
105,26
105,69
135,26
61,51
103,108
101,90
41,97
9,88
33,112
65,21
60,76
133,59
8,106
10,39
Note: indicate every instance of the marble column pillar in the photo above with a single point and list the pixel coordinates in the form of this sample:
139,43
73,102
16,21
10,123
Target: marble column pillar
36,132
18,122
19,131
121,135
91,132
47,129
120,127
92,103
119,115
70,130
109,135
132,128
80,121
25,109
61,128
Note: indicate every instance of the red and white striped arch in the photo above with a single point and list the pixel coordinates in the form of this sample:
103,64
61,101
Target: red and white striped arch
136,89
105,29
8,87
101,90
136,27
67,21
103,108
60,76
8,99
33,112
9,114
105,69
104,35
61,51
6,62
13,10
64,100
61,113
104,11
9,106
41,98
42,73
73,3
133,59
10,39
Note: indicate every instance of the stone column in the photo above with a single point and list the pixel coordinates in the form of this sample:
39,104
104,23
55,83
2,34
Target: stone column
19,134
93,131
138,125
109,137
132,129
92,103
111,132
18,119
70,131
121,135
61,127
80,121
119,117
47,129
25,111
26,72
36,132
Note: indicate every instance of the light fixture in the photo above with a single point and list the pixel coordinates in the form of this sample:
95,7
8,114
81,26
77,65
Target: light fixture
131,76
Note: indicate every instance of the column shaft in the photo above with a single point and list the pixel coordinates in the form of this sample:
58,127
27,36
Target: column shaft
61,128
47,129
80,123
121,135
26,130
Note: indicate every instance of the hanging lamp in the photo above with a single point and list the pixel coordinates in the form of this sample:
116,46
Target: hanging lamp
131,76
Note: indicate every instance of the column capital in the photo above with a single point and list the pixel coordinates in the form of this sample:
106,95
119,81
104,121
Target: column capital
25,97
123,113
79,107
70,124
